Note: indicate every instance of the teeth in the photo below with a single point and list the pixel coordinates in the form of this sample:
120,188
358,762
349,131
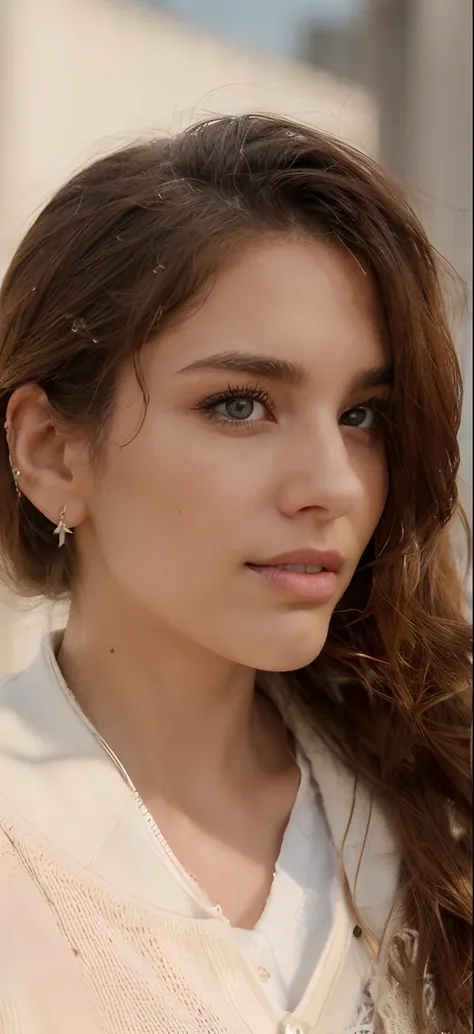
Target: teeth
301,568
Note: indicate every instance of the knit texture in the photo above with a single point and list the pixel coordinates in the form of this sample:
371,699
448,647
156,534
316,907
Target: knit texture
80,959
140,970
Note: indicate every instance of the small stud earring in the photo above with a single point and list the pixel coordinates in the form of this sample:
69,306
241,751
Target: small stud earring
61,530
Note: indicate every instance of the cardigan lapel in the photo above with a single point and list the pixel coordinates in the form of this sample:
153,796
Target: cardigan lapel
367,847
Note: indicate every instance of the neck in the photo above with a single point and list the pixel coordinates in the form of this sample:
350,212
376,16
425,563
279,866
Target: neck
166,706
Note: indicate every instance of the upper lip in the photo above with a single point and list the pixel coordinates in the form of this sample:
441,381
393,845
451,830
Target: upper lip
330,559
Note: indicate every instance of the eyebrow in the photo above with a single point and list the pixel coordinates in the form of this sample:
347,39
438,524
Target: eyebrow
284,371
281,370
376,377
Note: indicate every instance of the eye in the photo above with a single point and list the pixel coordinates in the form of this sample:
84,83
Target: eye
238,406
241,408
367,417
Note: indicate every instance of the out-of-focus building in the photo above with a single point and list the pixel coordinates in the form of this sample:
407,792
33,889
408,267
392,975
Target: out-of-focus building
81,77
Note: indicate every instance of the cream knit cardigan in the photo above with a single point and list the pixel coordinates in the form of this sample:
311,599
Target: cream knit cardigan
97,933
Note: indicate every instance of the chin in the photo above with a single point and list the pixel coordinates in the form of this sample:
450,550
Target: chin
289,661
289,646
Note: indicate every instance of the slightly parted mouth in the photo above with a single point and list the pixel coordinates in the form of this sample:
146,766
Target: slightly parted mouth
306,561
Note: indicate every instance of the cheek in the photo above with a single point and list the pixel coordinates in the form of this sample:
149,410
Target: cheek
168,507
375,479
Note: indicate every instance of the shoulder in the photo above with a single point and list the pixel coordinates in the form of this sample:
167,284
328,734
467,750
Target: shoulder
18,746
19,693
23,719
11,686
41,744
36,719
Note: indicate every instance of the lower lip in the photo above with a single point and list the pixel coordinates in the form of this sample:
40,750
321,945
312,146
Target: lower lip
317,588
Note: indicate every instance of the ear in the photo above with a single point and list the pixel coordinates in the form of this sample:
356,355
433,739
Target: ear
44,456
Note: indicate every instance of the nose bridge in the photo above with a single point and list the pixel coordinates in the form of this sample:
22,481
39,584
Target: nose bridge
321,473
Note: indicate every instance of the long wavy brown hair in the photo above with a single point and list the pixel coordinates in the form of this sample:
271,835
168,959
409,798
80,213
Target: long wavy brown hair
121,251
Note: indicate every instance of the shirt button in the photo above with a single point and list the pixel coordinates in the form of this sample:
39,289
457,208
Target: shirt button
294,1028
263,973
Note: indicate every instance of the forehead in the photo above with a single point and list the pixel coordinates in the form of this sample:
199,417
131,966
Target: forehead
297,299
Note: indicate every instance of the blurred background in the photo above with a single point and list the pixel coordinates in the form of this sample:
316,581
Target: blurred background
394,77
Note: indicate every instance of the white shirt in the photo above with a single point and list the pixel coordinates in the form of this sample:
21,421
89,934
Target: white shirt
289,938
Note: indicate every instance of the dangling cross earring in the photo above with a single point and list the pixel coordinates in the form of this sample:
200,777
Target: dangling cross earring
61,530
15,472
15,475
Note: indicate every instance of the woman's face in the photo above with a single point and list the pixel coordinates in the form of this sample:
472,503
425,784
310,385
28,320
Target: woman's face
261,448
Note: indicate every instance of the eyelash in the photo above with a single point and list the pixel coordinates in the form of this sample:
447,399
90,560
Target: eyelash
255,393
380,407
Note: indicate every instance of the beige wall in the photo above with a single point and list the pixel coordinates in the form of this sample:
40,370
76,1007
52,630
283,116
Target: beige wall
79,77
83,76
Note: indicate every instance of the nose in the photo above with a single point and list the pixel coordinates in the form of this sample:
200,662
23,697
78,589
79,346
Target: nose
320,474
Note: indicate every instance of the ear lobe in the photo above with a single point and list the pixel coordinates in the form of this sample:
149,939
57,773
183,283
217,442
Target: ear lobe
38,454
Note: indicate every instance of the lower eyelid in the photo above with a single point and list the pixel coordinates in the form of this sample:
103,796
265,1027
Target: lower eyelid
238,426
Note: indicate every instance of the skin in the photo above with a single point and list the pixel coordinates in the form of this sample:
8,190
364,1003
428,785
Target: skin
167,624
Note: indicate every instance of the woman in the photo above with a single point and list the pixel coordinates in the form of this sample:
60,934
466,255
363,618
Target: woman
235,790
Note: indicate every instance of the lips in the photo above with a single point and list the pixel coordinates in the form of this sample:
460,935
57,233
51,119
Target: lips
326,560
306,574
